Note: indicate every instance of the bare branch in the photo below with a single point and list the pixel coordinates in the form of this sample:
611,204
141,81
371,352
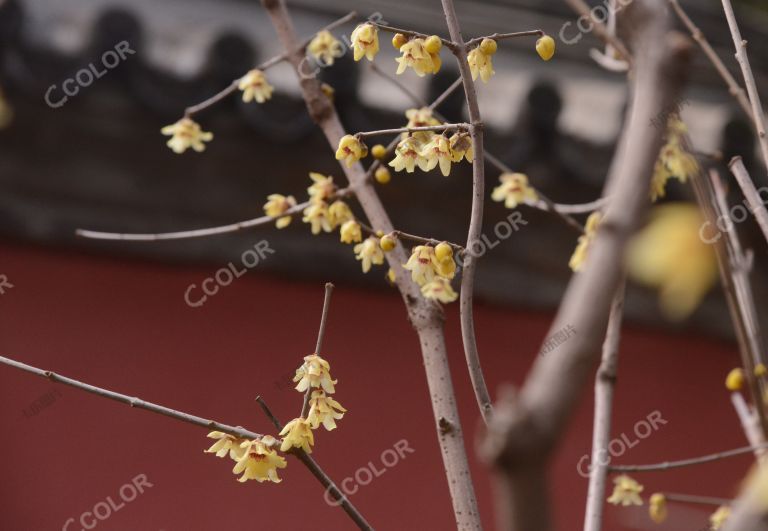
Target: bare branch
318,346
408,33
410,130
502,36
667,465
756,203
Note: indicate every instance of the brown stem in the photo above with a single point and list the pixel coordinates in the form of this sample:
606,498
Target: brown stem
425,316
601,430
524,431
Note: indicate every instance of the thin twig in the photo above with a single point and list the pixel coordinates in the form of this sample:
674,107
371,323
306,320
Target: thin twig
318,472
601,430
409,33
411,237
474,233
410,130
666,465
194,109
691,498
318,346
199,233
501,36
733,86
749,79
756,203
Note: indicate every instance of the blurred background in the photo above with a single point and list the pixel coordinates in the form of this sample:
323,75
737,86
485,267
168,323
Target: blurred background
114,313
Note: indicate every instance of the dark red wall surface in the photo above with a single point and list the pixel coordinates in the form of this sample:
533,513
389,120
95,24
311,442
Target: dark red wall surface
124,325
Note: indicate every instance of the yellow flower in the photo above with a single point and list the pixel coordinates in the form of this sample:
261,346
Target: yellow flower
545,47
339,213
255,87
670,255
422,264
379,151
297,434
314,372
398,39
324,410
323,187
514,190
390,276
350,150
185,134
673,161
325,48
276,206
461,147
446,267
351,232
480,64
226,444
369,253
657,507
443,251
718,518
760,370
626,492
382,175
365,41
408,156
580,254
488,46
439,289
317,215
259,461
438,151
735,380
416,56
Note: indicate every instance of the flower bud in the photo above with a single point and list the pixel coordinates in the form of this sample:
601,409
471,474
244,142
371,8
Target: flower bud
735,380
382,175
398,40
387,242
378,151
433,44
443,251
545,47
488,46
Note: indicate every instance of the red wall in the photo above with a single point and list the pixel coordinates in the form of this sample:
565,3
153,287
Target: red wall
124,325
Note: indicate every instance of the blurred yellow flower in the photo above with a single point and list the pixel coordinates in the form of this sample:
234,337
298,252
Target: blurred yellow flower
365,41
317,216
735,380
439,289
339,213
297,434
314,372
351,232
514,190
276,206
259,461
626,491
226,444
324,410
325,48
255,86
422,117
673,161
369,252
438,151
590,231
657,507
322,188
185,134
669,255
718,518
461,147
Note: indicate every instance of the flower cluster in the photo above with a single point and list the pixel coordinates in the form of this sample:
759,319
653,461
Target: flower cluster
420,54
514,190
325,48
254,459
585,241
432,268
674,161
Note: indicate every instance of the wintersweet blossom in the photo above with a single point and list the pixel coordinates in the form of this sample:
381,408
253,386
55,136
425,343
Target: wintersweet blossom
420,118
369,252
421,264
339,213
514,190
626,491
225,445
657,507
259,461
408,156
276,206
314,372
297,434
324,410
255,86
480,64
674,161
545,47
439,289
461,147
350,150
590,231
669,255
445,267
351,232
316,214
365,41
185,134
322,187
438,151
325,48
416,56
